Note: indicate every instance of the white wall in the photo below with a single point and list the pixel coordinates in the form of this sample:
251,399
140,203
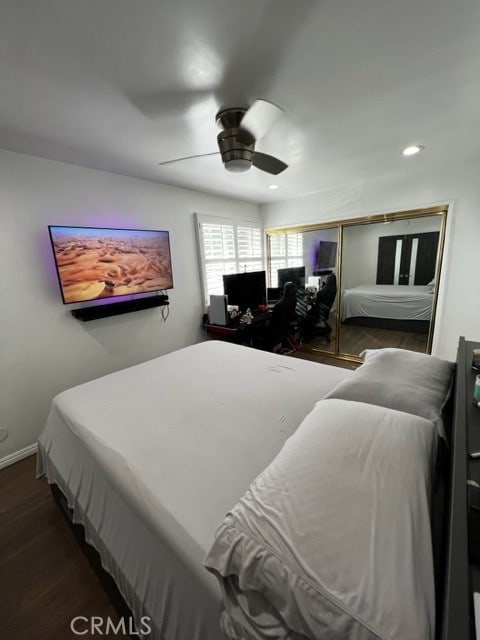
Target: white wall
360,246
43,348
459,293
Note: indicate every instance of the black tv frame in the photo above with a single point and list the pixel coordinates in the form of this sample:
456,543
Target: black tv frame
332,249
115,299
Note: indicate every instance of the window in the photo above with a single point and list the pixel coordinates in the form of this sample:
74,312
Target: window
286,250
227,246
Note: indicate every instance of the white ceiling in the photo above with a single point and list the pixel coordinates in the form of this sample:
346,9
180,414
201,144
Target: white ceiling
121,85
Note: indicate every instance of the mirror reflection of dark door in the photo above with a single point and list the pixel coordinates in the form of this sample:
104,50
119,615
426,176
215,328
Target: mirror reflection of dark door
407,260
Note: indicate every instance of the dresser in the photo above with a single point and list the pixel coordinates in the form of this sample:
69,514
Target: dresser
462,548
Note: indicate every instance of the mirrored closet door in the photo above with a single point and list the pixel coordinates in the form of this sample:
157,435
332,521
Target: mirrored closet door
370,282
309,257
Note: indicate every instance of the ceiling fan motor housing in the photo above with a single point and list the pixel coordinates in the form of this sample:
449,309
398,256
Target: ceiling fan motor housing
230,118
236,156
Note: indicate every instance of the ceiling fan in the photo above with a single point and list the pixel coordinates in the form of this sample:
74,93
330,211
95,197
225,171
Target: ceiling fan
241,130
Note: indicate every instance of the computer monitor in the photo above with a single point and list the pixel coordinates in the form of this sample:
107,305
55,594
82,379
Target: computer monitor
246,290
291,274
274,294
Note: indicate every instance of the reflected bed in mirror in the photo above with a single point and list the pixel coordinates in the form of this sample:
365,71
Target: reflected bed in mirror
389,306
388,271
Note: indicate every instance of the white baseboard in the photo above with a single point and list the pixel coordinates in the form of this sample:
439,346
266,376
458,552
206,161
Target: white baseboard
18,455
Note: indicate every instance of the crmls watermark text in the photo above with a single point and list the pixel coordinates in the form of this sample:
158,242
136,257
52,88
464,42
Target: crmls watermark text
81,625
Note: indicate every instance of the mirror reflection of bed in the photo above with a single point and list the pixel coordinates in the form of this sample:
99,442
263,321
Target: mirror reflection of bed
388,284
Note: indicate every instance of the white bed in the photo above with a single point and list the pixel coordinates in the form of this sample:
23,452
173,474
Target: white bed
157,459
151,458
388,301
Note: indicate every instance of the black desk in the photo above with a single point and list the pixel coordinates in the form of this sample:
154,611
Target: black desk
463,544
240,332
472,417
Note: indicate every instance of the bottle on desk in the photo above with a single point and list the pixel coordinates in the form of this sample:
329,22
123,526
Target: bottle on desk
476,391
248,316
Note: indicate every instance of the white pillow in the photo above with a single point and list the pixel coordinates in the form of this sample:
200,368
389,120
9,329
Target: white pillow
333,539
431,286
407,381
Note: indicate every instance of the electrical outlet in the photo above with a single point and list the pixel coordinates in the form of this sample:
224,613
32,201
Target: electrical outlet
3,433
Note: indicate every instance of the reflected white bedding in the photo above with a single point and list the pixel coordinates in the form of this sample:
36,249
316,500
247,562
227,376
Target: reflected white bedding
152,457
391,301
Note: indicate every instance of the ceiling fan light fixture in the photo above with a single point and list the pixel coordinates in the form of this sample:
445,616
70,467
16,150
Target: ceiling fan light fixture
236,144
237,165
413,149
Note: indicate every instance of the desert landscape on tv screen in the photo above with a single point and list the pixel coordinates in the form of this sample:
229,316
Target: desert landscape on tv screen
101,263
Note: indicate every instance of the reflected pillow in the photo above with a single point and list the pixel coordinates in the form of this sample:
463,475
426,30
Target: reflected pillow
404,380
431,286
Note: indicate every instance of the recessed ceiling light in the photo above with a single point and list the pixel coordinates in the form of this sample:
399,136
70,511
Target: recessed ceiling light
413,149
273,186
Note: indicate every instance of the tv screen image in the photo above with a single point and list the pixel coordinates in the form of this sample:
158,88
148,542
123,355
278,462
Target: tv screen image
94,263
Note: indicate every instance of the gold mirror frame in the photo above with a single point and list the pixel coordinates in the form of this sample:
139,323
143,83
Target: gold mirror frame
440,210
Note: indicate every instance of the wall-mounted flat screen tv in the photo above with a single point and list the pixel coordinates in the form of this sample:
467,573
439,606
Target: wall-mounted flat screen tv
327,255
94,263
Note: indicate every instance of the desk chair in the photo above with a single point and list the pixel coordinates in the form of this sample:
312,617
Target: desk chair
318,325
280,331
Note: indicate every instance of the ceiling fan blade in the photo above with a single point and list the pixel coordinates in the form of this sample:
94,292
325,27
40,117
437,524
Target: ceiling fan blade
261,116
168,102
199,155
268,163
244,137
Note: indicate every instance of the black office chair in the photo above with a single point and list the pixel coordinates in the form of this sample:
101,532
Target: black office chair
324,303
320,312
280,331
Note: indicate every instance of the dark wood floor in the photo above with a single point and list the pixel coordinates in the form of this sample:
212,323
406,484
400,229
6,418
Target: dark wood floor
317,357
45,577
355,339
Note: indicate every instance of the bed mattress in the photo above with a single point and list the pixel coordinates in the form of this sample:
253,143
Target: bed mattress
391,301
152,457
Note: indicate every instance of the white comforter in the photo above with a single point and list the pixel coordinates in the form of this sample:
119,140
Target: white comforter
152,457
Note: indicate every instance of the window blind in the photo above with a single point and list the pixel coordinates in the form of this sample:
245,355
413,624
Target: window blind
227,246
286,250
